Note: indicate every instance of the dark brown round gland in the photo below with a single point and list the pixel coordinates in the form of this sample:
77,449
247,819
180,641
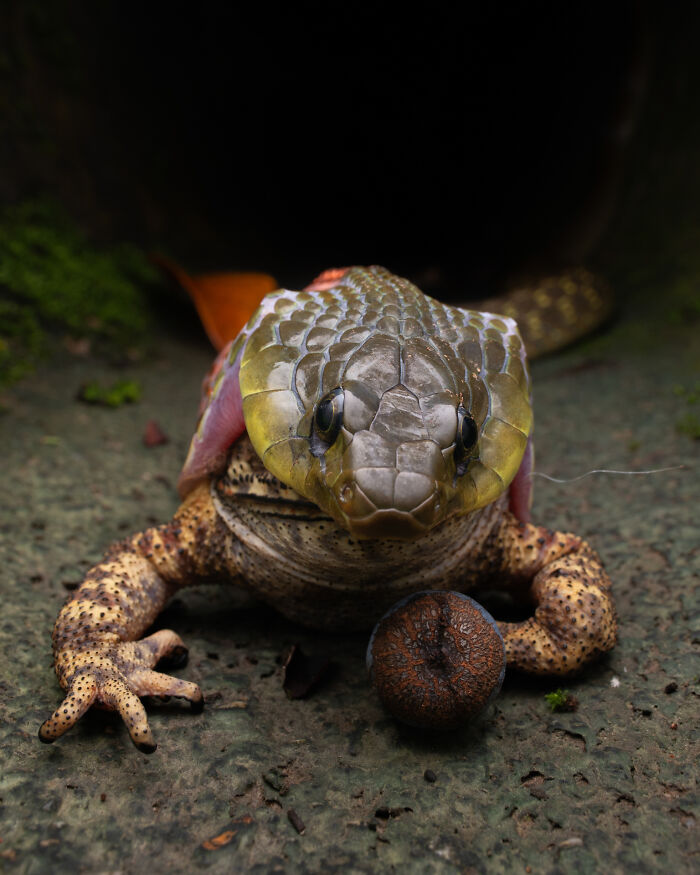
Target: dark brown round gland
436,659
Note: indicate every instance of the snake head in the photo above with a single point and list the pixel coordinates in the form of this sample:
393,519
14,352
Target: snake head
389,410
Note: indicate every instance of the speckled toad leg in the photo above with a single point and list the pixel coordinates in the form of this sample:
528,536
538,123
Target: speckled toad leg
97,655
574,619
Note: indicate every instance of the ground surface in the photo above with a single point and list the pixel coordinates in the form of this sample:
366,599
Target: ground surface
610,787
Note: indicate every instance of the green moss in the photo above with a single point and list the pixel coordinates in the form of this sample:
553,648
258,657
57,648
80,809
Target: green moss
121,392
559,700
53,279
690,396
689,424
21,340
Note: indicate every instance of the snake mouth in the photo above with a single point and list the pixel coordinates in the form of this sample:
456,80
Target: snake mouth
385,504
387,525
384,488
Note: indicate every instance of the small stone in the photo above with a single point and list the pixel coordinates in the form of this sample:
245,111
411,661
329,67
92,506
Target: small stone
670,688
430,776
153,435
573,842
274,780
296,821
302,674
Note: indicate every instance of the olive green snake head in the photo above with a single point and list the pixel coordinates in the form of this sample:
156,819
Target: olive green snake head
386,408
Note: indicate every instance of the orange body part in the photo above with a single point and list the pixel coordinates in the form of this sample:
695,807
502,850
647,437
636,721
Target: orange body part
224,301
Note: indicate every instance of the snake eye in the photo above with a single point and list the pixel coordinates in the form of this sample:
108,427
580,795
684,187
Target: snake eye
466,438
328,418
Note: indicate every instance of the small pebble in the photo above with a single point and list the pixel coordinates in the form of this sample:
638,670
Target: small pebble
274,780
296,821
573,842
153,435
430,776
670,688
303,673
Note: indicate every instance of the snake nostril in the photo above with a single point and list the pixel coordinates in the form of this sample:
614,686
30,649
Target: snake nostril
347,493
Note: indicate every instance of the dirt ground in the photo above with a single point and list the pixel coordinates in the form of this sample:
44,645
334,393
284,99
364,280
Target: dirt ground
610,787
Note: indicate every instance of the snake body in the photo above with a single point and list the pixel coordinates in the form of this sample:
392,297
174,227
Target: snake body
387,451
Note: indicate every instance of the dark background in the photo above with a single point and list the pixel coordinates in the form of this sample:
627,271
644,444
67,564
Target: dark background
462,146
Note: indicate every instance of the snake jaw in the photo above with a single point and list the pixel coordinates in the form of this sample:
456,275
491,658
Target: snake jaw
386,503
